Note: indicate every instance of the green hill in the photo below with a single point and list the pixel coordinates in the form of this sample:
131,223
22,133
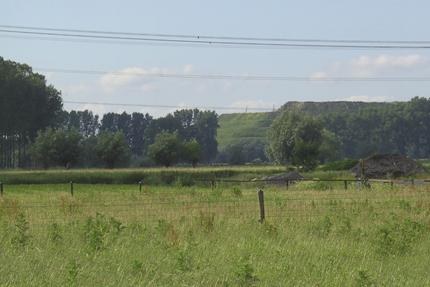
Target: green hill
240,127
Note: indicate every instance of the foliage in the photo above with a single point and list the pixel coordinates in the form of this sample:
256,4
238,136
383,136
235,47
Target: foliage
191,152
28,105
166,149
83,121
58,147
396,238
390,128
244,151
329,149
295,139
112,149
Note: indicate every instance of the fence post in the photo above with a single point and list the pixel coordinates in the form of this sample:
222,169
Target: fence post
1,189
287,183
140,185
71,188
261,202
345,182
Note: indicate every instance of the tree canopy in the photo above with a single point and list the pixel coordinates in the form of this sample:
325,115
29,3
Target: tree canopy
28,105
295,139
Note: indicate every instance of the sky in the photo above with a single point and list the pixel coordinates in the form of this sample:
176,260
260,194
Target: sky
329,19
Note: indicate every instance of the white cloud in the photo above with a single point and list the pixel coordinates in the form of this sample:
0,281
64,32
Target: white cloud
131,77
366,66
365,98
388,62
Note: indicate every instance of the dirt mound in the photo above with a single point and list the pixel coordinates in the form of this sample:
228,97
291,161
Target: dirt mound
387,166
290,176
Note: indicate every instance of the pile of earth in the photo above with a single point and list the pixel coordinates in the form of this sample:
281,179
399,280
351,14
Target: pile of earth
283,177
387,166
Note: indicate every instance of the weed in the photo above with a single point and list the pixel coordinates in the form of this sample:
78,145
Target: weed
184,260
322,227
21,236
167,230
236,191
69,206
54,233
344,225
397,238
269,229
185,180
9,207
364,280
207,221
136,266
244,272
97,230
72,272
405,205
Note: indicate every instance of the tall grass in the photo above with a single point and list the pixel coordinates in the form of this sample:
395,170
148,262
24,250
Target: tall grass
151,176
114,235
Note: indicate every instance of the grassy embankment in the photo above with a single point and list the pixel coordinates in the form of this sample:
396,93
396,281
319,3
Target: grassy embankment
236,128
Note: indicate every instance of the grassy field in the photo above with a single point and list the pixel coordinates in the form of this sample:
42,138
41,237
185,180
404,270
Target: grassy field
234,128
315,234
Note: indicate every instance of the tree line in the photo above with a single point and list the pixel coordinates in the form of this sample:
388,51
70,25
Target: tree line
302,139
35,130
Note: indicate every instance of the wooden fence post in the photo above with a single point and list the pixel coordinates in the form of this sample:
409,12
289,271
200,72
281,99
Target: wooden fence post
261,202
71,188
345,182
1,189
140,186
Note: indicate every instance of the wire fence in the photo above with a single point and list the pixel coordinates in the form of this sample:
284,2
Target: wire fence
271,202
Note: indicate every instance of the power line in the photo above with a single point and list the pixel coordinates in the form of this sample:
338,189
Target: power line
221,42
239,77
165,106
188,36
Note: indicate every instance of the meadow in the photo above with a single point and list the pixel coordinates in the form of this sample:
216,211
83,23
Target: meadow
315,234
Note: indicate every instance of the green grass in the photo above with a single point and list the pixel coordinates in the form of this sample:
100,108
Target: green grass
133,176
234,128
114,235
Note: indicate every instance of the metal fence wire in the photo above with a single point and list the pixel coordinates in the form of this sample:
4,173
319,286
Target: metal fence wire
265,203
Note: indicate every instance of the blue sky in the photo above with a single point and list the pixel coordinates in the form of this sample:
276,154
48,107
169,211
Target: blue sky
333,19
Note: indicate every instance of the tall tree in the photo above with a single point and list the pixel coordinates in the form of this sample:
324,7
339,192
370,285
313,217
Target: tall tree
112,149
166,149
57,147
295,139
28,105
